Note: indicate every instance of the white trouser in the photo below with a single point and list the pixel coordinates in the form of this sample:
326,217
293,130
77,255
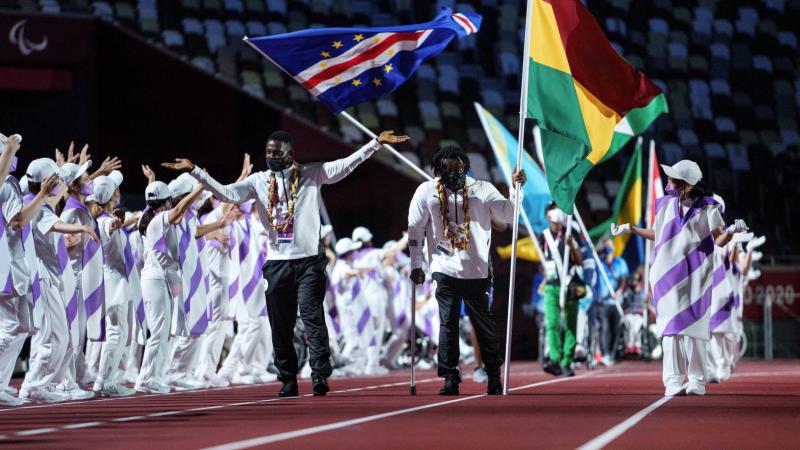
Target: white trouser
51,349
158,309
720,355
130,362
186,356
684,356
15,324
77,367
378,303
214,338
243,350
92,355
635,324
114,347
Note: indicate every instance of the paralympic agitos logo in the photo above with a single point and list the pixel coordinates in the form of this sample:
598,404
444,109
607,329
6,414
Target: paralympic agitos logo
25,46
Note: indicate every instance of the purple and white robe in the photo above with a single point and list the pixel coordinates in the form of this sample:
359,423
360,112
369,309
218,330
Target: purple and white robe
91,274
682,275
69,288
6,283
725,295
247,279
194,300
37,307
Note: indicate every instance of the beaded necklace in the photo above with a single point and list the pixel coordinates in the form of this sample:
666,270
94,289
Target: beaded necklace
272,201
461,234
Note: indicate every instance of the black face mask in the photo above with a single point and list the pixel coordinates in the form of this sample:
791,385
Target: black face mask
454,181
277,164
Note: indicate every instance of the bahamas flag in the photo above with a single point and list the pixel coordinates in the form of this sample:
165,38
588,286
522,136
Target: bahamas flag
536,194
343,67
588,100
627,205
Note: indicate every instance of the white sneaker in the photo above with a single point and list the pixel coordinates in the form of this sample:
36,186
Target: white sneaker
116,390
44,394
267,377
479,375
187,384
695,389
607,361
675,390
244,379
376,370
74,391
217,382
7,399
151,387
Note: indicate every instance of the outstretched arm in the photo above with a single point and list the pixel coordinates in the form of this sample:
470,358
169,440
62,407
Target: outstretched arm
28,212
238,192
11,145
418,218
646,233
72,228
176,213
334,171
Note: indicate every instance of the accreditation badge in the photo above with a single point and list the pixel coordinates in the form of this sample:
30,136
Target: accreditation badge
286,236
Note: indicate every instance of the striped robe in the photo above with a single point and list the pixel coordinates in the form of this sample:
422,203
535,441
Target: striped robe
682,275
725,294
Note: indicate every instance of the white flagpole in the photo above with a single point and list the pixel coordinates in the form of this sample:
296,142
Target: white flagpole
562,293
397,154
523,110
648,221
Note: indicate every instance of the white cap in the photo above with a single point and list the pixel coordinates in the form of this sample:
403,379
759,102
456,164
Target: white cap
556,215
116,175
362,234
685,170
182,185
41,168
157,190
104,188
389,244
23,185
346,245
325,230
72,171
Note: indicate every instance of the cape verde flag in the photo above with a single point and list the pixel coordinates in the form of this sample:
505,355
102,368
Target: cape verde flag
343,67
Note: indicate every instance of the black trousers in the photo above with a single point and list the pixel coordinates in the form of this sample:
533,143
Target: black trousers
450,292
609,329
291,284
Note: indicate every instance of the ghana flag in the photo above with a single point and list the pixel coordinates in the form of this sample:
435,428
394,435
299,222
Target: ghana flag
587,99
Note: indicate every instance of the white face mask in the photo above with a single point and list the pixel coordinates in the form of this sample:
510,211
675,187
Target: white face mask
555,215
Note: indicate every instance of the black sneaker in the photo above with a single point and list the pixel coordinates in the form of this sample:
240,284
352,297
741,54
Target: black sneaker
289,389
553,368
495,386
319,385
450,387
566,371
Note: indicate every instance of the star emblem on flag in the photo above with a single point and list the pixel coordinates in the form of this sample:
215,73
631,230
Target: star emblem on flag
325,54
358,37
387,68
337,44
376,82
356,82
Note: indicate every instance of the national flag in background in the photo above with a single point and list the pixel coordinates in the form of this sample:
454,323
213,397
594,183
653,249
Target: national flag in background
585,97
536,194
627,205
655,189
343,67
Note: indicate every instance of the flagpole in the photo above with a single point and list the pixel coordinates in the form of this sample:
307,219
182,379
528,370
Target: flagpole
562,292
648,205
523,111
397,154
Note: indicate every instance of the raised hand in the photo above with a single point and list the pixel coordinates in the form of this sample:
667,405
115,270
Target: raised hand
148,173
90,232
388,137
50,183
71,156
622,229
738,227
179,164
247,167
84,154
417,276
519,177
116,225
109,164
11,143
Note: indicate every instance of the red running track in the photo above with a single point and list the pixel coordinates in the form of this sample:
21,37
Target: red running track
620,407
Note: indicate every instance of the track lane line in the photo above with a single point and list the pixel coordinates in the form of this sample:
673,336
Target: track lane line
278,437
619,429
38,431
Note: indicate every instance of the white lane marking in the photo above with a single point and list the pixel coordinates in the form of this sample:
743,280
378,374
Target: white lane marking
617,431
174,412
277,437
77,426
268,439
35,431
99,400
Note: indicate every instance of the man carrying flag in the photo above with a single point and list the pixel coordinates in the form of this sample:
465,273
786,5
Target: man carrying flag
287,201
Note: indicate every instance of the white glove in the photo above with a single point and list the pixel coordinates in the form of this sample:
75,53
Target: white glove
738,227
757,256
622,229
755,243
753,274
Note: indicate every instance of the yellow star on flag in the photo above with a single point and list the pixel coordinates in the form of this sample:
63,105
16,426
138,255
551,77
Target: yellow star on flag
338,80
358,37
337,44
323,65
388,68
356,82
391,52
376,39
376,82
325,54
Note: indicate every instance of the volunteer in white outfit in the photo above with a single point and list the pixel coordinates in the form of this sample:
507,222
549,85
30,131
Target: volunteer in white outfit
687,227
295,267
138,324
346,284
454,214
161,279
16,320
51,349
117,295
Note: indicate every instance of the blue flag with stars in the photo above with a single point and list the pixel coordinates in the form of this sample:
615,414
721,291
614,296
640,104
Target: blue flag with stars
343,67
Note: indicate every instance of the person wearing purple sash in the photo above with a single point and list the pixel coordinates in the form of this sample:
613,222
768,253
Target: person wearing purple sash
287,201
161,278
51,349
688,225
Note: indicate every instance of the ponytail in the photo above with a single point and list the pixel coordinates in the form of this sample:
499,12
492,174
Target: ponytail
149,213
700,189
95,209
